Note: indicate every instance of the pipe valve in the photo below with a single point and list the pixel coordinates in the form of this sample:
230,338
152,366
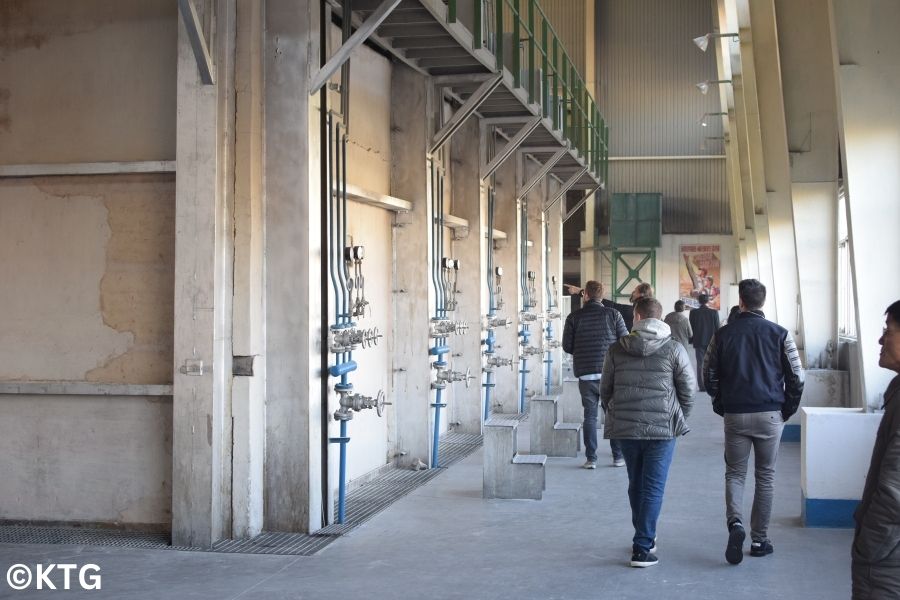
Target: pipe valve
445,376
551,345
552,314
530,351
527,317
352,338
351,402
494,321
493,362
444,327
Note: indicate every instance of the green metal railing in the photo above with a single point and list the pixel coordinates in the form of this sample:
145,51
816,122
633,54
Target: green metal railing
563,95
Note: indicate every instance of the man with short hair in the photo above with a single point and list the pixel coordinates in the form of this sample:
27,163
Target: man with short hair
588,334
680,325
753,373
704,323
647,392
876,543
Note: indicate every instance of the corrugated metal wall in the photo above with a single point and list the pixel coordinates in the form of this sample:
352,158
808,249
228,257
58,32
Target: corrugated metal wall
647,68
567,17
568,20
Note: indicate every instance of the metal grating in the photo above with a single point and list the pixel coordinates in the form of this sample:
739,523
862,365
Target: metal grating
363,503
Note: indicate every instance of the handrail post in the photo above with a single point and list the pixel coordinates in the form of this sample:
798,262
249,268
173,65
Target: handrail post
545,72
451,11
498,35
532,37
478,42
516,45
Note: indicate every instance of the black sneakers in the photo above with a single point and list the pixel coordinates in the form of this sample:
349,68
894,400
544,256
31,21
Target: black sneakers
761,548
643,559
734,552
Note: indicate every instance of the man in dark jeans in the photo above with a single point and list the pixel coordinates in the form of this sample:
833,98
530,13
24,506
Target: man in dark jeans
753,373
704,323
588,334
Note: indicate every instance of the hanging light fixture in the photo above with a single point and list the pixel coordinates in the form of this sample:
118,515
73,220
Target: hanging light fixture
702,42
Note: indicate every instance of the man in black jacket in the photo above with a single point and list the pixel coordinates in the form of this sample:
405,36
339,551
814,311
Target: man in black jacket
588,334
752,371
876,543
704,323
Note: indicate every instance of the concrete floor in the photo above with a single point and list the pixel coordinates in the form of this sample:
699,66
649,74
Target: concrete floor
445,541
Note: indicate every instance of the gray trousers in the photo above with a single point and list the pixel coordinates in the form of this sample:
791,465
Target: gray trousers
760,432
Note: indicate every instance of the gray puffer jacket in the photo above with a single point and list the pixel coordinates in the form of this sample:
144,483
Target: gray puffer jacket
648,385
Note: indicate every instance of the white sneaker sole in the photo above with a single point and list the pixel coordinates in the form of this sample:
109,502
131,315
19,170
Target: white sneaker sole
642,564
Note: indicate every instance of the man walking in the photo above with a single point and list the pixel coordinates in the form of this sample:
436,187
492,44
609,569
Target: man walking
647,391
588,334
876,543
704,323
752,371
680,325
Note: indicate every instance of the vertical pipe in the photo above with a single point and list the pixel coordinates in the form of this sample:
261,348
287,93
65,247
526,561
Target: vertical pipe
435,444
342,485
342,265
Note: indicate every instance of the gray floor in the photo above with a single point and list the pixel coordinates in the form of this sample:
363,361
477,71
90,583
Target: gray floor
445,541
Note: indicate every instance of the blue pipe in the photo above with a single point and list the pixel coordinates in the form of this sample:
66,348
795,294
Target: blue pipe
342,487
489,384
435,445
438,350
342,368
549,360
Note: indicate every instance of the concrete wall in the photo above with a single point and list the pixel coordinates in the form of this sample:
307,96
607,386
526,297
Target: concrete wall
88,289
87,459
87,81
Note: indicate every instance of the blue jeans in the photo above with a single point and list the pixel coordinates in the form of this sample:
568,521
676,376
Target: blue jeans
648,463
590,400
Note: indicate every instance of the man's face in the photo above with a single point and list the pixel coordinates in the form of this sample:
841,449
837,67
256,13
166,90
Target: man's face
890,346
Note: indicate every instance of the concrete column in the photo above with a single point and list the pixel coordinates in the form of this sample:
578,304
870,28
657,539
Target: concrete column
536,262
468,204
294,336
810,104
248,325
201,476
869,119
413,292
555,268
776,164
506,254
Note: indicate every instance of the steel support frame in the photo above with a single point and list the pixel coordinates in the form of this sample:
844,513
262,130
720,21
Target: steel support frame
481,94
198,41
365,31
566,187
508,150
542,172
634,272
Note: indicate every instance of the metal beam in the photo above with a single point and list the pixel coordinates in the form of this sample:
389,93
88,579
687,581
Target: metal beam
506,120
97,168
470,106
452,80
565,188
510,147
581,202
353,42
545,168
198,42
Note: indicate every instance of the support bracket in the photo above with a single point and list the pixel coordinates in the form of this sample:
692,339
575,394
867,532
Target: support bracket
459,117
198,41
565,188
510,147
581,202
545,168
353,42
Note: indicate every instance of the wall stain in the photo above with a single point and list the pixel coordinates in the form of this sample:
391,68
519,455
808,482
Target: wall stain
138,286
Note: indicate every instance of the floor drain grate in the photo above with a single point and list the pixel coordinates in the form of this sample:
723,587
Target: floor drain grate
363,503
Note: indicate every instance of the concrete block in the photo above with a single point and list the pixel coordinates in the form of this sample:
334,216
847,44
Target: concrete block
570,401
508,474
823,388
548,435
836,446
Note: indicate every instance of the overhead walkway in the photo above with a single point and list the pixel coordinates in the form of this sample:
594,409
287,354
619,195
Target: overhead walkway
444,541
501,60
